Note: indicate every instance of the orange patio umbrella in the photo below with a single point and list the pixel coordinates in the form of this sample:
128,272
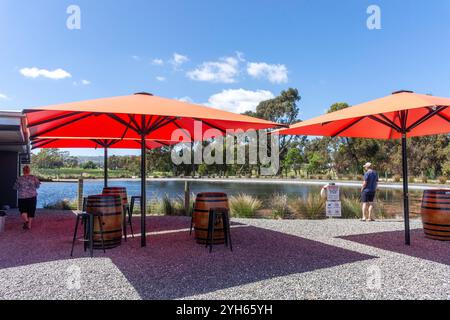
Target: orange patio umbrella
140,116
50,143
398,116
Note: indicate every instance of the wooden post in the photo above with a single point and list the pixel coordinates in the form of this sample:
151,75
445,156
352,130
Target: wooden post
80,194
187,197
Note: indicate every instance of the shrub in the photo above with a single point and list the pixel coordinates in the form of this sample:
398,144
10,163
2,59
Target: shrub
424,179
61,205
442,179
397,178
244,205
411,179
280,206
351,207
313,207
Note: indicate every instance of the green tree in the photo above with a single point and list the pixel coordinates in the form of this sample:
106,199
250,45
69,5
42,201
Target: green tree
293,160
48,159
89,165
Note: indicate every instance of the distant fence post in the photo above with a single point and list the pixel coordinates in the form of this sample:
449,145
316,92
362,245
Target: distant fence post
80,194
187,196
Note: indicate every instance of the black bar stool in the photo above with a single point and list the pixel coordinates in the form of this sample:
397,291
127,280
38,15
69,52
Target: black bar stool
87,220
215,213
127,210
133,201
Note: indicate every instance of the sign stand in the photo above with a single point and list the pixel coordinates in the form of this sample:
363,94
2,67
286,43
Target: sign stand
333,206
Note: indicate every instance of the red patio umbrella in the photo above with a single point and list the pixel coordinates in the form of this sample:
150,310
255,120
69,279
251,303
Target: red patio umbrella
398,116
140,116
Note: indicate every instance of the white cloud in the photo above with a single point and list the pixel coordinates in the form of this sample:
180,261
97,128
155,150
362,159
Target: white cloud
185,99
178,60
275,73
161,79
239,100
158,62
136,58
4,96
82,83
34,72
223,71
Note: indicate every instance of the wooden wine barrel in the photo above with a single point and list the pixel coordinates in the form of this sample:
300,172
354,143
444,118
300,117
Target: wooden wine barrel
436,214
109,207
121,191
203,203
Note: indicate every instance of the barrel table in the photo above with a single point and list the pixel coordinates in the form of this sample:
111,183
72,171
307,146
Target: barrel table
435,213
122,192
109,208
204,202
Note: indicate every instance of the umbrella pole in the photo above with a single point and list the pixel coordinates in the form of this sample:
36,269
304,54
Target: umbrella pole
105,169
143,185
405,189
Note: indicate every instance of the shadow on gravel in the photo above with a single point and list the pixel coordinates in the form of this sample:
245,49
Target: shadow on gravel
421,247
172,265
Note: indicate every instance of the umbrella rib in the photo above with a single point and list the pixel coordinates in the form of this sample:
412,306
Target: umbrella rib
164,144
181,128
62,125
123,122
340,131
160,125
149,121
430,114
53,119
442,115
391,125
211,125
43,143
133,119
155,125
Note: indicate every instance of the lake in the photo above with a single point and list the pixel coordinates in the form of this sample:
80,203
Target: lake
51,192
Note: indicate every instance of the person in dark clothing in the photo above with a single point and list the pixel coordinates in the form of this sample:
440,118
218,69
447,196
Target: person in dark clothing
368,191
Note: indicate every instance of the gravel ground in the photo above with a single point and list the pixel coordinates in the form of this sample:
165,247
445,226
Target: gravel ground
272,259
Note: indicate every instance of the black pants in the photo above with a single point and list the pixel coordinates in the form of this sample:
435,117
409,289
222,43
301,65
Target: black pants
28,206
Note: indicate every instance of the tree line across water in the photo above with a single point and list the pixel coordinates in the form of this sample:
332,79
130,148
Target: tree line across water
300,157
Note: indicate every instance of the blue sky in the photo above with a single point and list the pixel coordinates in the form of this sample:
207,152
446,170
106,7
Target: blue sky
228,54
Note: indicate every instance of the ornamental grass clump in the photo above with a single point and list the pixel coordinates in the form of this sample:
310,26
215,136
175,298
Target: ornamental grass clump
311,207
244,205
280,206
61,205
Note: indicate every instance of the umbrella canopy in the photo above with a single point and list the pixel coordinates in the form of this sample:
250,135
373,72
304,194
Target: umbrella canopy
398,116
130,116
140,116
385,118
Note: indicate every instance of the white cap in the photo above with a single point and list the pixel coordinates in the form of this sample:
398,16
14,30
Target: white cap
367,165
